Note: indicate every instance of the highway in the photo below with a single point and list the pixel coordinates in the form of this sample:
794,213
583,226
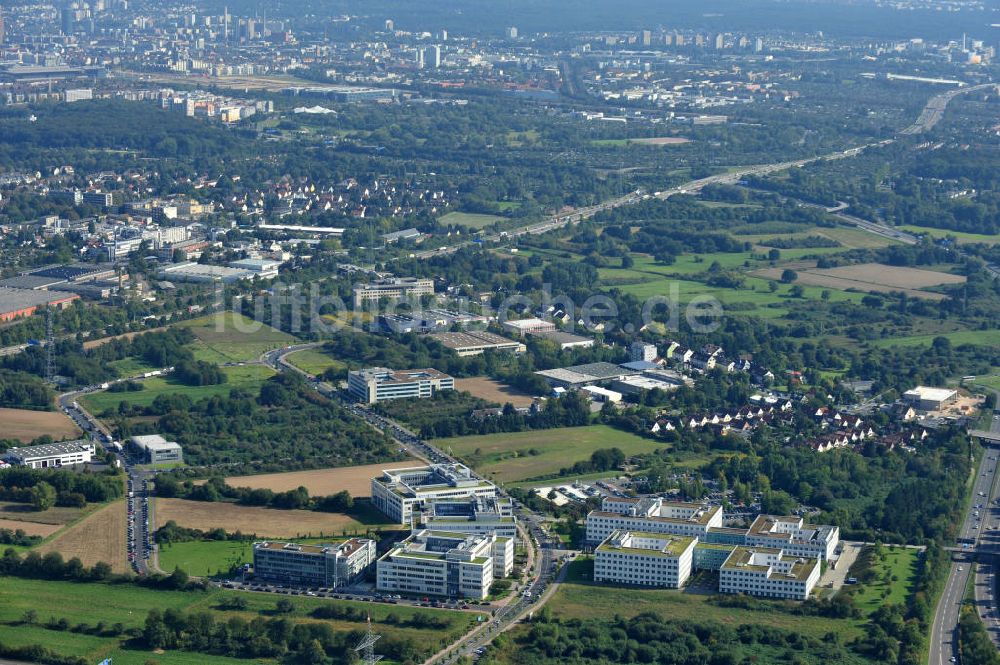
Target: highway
989,541
576,216
981,516
935,108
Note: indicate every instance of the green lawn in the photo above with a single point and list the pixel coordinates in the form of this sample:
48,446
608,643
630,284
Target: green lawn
470,219
249,377
508,457
313,361
228,337
129,605
900,563
981,337
131,367
204,558
580,598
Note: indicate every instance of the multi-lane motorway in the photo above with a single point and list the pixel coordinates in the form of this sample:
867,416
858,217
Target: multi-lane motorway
978,530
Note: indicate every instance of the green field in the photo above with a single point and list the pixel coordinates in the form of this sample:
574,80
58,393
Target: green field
313,361
221,338
249,377
900,563
204,558
129,604
962,237
981,337
470,219
580,598
508,457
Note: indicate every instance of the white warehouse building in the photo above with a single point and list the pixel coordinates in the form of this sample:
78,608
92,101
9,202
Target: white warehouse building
52,455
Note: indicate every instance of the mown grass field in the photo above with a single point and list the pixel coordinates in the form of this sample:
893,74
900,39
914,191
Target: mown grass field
256,520
321,482
981,337
962,237
26,425
900,566
313,361
128,604
471,219
249,377
230,337
203,558
524,455
580,598
98,537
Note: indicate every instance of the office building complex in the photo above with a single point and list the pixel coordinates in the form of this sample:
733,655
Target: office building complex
644,559
769,573
472,515
395,288
313,565
52,455
399,492
377,384
448,564
791,534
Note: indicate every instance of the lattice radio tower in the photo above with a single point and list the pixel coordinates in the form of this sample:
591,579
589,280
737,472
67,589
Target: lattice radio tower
367,646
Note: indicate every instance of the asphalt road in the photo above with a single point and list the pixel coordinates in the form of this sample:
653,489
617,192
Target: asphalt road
944,632
989,540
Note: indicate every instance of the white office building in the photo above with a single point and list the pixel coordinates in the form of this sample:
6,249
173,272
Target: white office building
793,536
52,455
399,493
447,564
313,565
157,450
377,384
652,515
394,288
644,559
470,516
769,573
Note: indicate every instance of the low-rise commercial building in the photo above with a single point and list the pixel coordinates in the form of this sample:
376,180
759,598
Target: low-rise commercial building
17,303
377,384
313,565
52,455
448,564
204,274
769,573
644,559
565,340
157,450
930,399
522,327
474,343
398,493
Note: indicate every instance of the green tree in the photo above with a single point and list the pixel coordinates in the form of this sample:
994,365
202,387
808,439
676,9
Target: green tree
43,496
